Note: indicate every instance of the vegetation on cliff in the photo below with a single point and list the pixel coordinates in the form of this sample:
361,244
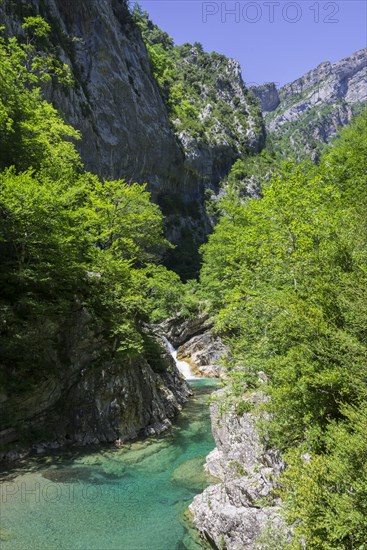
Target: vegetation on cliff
286,279
195,86
68,241
307,136
284,272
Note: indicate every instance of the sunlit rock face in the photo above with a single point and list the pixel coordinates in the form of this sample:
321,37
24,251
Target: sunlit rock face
303,115
241,510
115,101
118,108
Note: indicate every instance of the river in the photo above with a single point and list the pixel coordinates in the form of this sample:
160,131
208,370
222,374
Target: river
129,498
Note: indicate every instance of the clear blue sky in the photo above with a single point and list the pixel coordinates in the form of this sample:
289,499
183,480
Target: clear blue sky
275,41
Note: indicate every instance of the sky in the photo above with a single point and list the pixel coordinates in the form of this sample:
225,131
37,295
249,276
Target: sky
274,40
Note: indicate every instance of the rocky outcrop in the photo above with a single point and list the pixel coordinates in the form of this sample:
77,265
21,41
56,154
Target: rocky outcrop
226,134
93,395
332,81
241,511
196,343
115,102
204,353
268,95
180,330
312,108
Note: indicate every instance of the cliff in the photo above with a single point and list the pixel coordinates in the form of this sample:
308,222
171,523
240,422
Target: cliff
93,395
196,343
115,102
125,122
268,96
303,115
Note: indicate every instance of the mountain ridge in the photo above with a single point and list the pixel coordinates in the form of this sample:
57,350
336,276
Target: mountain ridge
303,115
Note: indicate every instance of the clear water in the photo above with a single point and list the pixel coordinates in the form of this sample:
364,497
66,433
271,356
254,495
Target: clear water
133,498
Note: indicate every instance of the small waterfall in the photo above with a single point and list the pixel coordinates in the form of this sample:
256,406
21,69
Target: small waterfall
182,366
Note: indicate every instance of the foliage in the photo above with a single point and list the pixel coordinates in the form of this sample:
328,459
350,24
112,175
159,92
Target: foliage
197,89
326,493
246,178
286,278
69,243
31,131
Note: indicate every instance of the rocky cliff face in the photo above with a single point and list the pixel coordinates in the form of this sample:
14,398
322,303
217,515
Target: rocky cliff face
229,123
240,512
92,395
306,113
115,102
268,95
123,119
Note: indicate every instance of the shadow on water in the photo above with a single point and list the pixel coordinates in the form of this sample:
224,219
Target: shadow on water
129,498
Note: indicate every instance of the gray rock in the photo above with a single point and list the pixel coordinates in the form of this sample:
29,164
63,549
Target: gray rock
93,396
178,330
210,157
235,513
123,120
195,342
204,353
313,107
268,96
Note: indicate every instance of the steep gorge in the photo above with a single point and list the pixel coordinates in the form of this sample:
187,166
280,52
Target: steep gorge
89,395
124,121
94,396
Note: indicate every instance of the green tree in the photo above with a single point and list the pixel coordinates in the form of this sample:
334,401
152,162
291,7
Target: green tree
286,278
68,241
32,133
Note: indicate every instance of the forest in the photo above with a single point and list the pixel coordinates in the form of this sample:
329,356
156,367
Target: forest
286,279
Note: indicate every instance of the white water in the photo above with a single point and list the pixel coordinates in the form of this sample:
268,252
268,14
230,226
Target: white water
182,366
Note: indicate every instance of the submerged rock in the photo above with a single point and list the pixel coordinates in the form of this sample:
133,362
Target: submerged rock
191,474
5,535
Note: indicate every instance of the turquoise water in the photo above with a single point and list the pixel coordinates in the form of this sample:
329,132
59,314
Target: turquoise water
133,498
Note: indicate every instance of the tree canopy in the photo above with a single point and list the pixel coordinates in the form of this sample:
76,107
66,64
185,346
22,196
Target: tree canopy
286,279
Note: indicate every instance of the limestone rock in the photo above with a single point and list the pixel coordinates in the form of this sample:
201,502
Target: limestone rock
237,512
118,108
203,352
178,331
313,107
196,343
268,96
92,397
